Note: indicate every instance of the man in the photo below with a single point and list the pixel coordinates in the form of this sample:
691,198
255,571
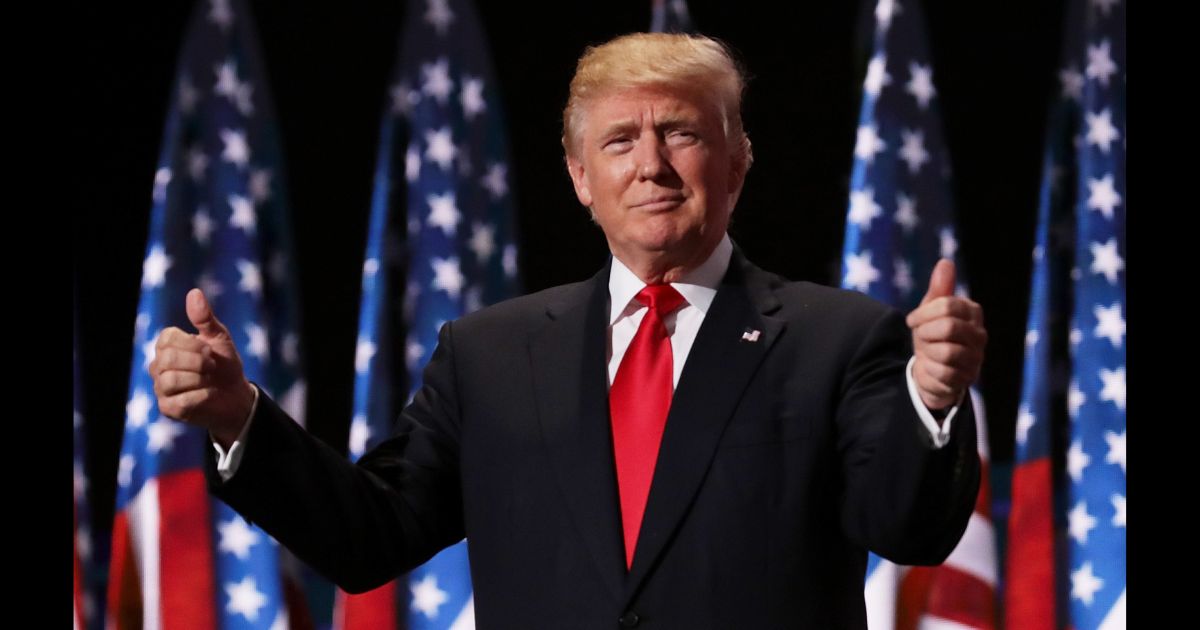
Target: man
683,441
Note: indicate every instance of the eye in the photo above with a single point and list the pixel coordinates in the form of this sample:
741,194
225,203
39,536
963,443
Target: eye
681,136
618,144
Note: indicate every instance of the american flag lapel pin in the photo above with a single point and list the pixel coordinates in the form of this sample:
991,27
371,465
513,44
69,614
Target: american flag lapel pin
751,335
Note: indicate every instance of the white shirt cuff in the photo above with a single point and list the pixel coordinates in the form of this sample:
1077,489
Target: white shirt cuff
940,434
227,463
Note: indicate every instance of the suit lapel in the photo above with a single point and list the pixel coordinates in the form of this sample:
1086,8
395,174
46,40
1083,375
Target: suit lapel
569,366
719,367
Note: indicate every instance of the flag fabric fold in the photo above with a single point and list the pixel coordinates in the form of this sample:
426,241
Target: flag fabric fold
441,244
219,221
900,221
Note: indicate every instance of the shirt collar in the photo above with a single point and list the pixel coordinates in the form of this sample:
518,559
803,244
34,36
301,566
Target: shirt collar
698,286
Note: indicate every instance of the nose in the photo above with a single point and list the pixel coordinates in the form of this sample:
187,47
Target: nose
651,158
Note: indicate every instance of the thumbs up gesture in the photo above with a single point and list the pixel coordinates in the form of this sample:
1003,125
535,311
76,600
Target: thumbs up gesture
199,378
948,341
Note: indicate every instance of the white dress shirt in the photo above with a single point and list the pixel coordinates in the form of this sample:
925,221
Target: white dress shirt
698,288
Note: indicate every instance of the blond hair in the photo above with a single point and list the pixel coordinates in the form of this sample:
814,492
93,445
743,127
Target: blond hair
693,62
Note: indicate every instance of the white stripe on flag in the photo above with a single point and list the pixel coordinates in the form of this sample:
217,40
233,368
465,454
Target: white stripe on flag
466,618
1116,616
936,623
880,595
976,552
144,537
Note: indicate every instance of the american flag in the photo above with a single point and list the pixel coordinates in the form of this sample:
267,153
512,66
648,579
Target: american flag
899,223
219,222
670,16
1066,565
442,237
86,615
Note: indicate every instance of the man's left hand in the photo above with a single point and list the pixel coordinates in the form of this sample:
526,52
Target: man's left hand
948,341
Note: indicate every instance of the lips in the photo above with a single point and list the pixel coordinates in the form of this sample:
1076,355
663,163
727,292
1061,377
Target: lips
655,204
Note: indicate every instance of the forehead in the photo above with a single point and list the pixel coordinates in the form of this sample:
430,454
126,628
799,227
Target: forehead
659,102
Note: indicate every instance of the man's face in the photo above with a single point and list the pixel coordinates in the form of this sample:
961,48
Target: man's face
654,166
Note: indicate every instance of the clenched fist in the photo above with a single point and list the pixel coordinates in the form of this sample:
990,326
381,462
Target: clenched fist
199,378
948,341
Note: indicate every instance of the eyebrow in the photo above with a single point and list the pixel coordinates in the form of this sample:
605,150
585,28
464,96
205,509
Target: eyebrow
668,121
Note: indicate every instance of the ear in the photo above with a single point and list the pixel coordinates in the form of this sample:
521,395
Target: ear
579,179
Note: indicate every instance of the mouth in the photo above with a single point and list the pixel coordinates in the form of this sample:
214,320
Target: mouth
660,204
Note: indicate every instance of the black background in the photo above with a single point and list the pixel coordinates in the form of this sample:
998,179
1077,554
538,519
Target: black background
329,63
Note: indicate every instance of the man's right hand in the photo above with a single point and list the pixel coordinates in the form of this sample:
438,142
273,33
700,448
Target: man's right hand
199,378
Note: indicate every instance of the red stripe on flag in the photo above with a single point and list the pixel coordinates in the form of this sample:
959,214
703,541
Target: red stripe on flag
983,500
188,590
1030,594
958,596
124,589
374,609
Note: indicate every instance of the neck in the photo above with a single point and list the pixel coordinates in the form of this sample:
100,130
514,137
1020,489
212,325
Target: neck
663,267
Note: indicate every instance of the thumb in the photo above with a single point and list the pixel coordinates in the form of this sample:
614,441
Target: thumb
941,281
200,314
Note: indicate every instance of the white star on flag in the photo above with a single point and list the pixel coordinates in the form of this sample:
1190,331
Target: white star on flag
1080,523
236,537
149,350
885,11
227,80
863,207
427,597
125,470
495,181
154,268
1072,83
202,226
1100,65
413,352
404,99
245,598
860,273
868,143
78,481
437,80
137,410
162,434
260,185
877,76
438,14
1084,584
444,212
197,163
1114,386
913,150
1075,399
83,543
483,241
256,344
243,215
188,95
473,299
447,276
1118,503
1077,460
251,278
1106,260
1025,421
363,353
509,261
220,14
921,84
290,348
360,432
903,277
440,147
1100,130
370,267
412,163
236,150
209,286
1116,448
473,103
1031,338
1110,325
949,245
162,177
906,213
1103,196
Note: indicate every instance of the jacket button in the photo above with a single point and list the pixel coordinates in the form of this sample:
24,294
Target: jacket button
629,619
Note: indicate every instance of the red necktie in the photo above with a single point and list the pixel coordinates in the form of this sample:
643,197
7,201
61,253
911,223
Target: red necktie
639,400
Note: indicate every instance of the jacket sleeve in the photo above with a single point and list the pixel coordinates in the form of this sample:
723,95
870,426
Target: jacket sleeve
905,499
359,524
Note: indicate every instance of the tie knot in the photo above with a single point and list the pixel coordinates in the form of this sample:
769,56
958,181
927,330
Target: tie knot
662,298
